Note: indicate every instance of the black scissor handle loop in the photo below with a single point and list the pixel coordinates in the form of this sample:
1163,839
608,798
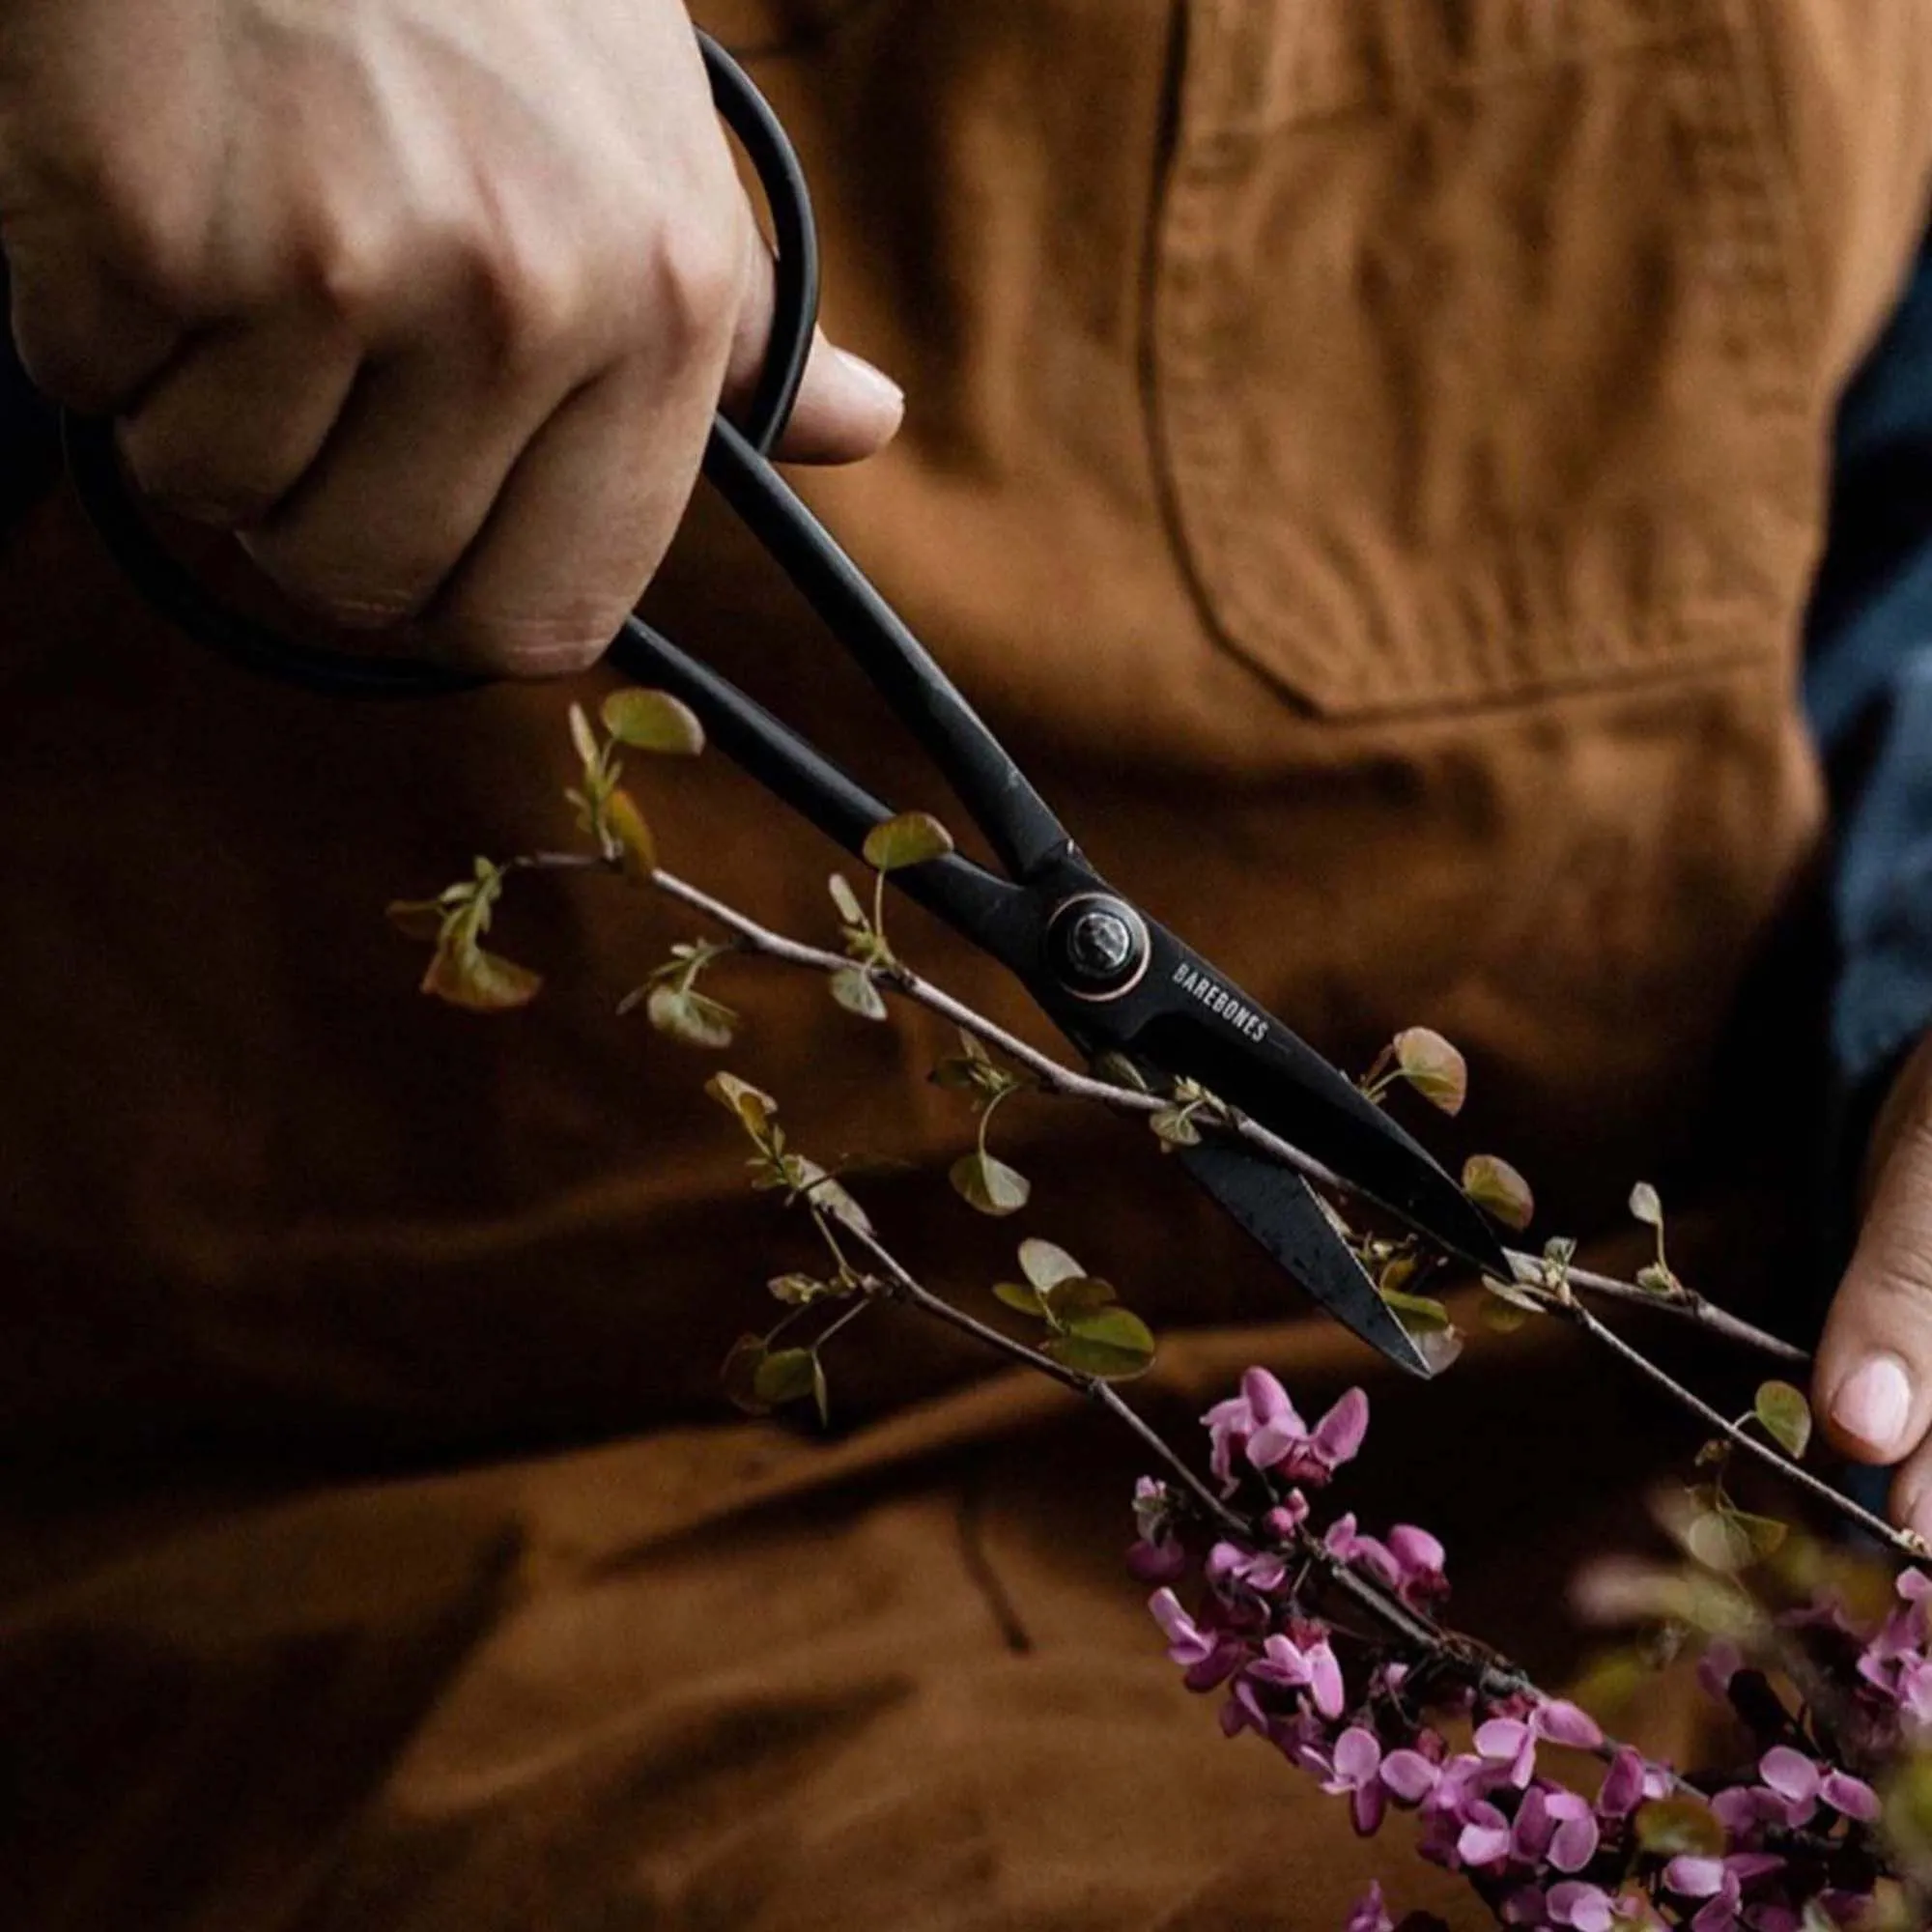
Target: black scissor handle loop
172,588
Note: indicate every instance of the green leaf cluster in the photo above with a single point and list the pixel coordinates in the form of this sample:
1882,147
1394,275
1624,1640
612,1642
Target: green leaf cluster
675,1004
462,971
1089,1331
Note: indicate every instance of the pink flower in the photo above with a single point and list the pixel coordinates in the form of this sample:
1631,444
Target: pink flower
1513,1740
1720,1882
1263,1426
1345,1544
1356,1771
1260,1569
1208,1657
1409,1777
1369,1915
1584,1908
1419,1560
1297,1667
1624,1785
1554,1827
1157,1555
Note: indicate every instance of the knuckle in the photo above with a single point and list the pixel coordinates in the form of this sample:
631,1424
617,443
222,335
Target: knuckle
696,282
535,298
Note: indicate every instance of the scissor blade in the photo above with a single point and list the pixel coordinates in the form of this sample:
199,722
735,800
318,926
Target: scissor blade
1255,1062
1280,1210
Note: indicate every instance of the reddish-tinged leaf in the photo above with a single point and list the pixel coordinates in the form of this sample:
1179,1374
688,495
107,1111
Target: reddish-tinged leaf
1433,1068
480,982
1499,1190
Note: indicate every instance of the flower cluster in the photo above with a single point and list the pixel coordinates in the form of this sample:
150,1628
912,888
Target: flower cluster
1552,1824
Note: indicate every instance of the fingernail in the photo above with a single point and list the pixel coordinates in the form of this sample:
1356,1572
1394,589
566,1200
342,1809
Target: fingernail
1874,1403
884,389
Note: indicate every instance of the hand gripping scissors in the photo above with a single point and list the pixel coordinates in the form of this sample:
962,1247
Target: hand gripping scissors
1115,982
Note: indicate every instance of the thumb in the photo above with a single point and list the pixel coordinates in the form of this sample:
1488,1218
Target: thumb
846,409
1874,1374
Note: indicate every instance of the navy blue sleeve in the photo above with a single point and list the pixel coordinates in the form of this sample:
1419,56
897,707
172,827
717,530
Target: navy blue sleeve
1869,691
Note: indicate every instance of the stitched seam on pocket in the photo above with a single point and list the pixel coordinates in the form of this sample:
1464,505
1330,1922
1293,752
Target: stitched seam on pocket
1510,645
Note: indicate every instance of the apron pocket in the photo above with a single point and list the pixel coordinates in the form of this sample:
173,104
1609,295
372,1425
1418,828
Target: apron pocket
1476,372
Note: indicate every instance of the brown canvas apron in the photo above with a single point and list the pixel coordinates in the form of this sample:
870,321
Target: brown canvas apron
1366,456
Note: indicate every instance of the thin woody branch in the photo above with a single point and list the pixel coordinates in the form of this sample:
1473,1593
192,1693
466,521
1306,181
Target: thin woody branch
1682,1304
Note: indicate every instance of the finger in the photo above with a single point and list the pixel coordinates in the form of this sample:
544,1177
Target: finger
403,487
578,528
231,426
846,409
1912,1491
1873,1379
85,338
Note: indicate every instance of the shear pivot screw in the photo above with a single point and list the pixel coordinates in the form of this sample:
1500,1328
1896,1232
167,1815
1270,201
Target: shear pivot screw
1097,946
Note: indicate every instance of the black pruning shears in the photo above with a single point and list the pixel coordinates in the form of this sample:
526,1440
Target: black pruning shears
1114,981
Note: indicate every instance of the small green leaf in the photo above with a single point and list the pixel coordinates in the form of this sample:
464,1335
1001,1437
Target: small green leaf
1433,1068
1645,1205
846,901
1046,1265
740,1375
853,987
637,849
653,721
799,1291
1118,1070
785,1374
1016,1294
1077,1295
583,738
1112,1342
1518,1298
910,839
1174,1126
814,1183
1499,1190
1786,1417
821,1393
1502,1318
466,975
1730,1539
1653,1278
691,1017
1423,1311
755,1109
989,1184
1669,1828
